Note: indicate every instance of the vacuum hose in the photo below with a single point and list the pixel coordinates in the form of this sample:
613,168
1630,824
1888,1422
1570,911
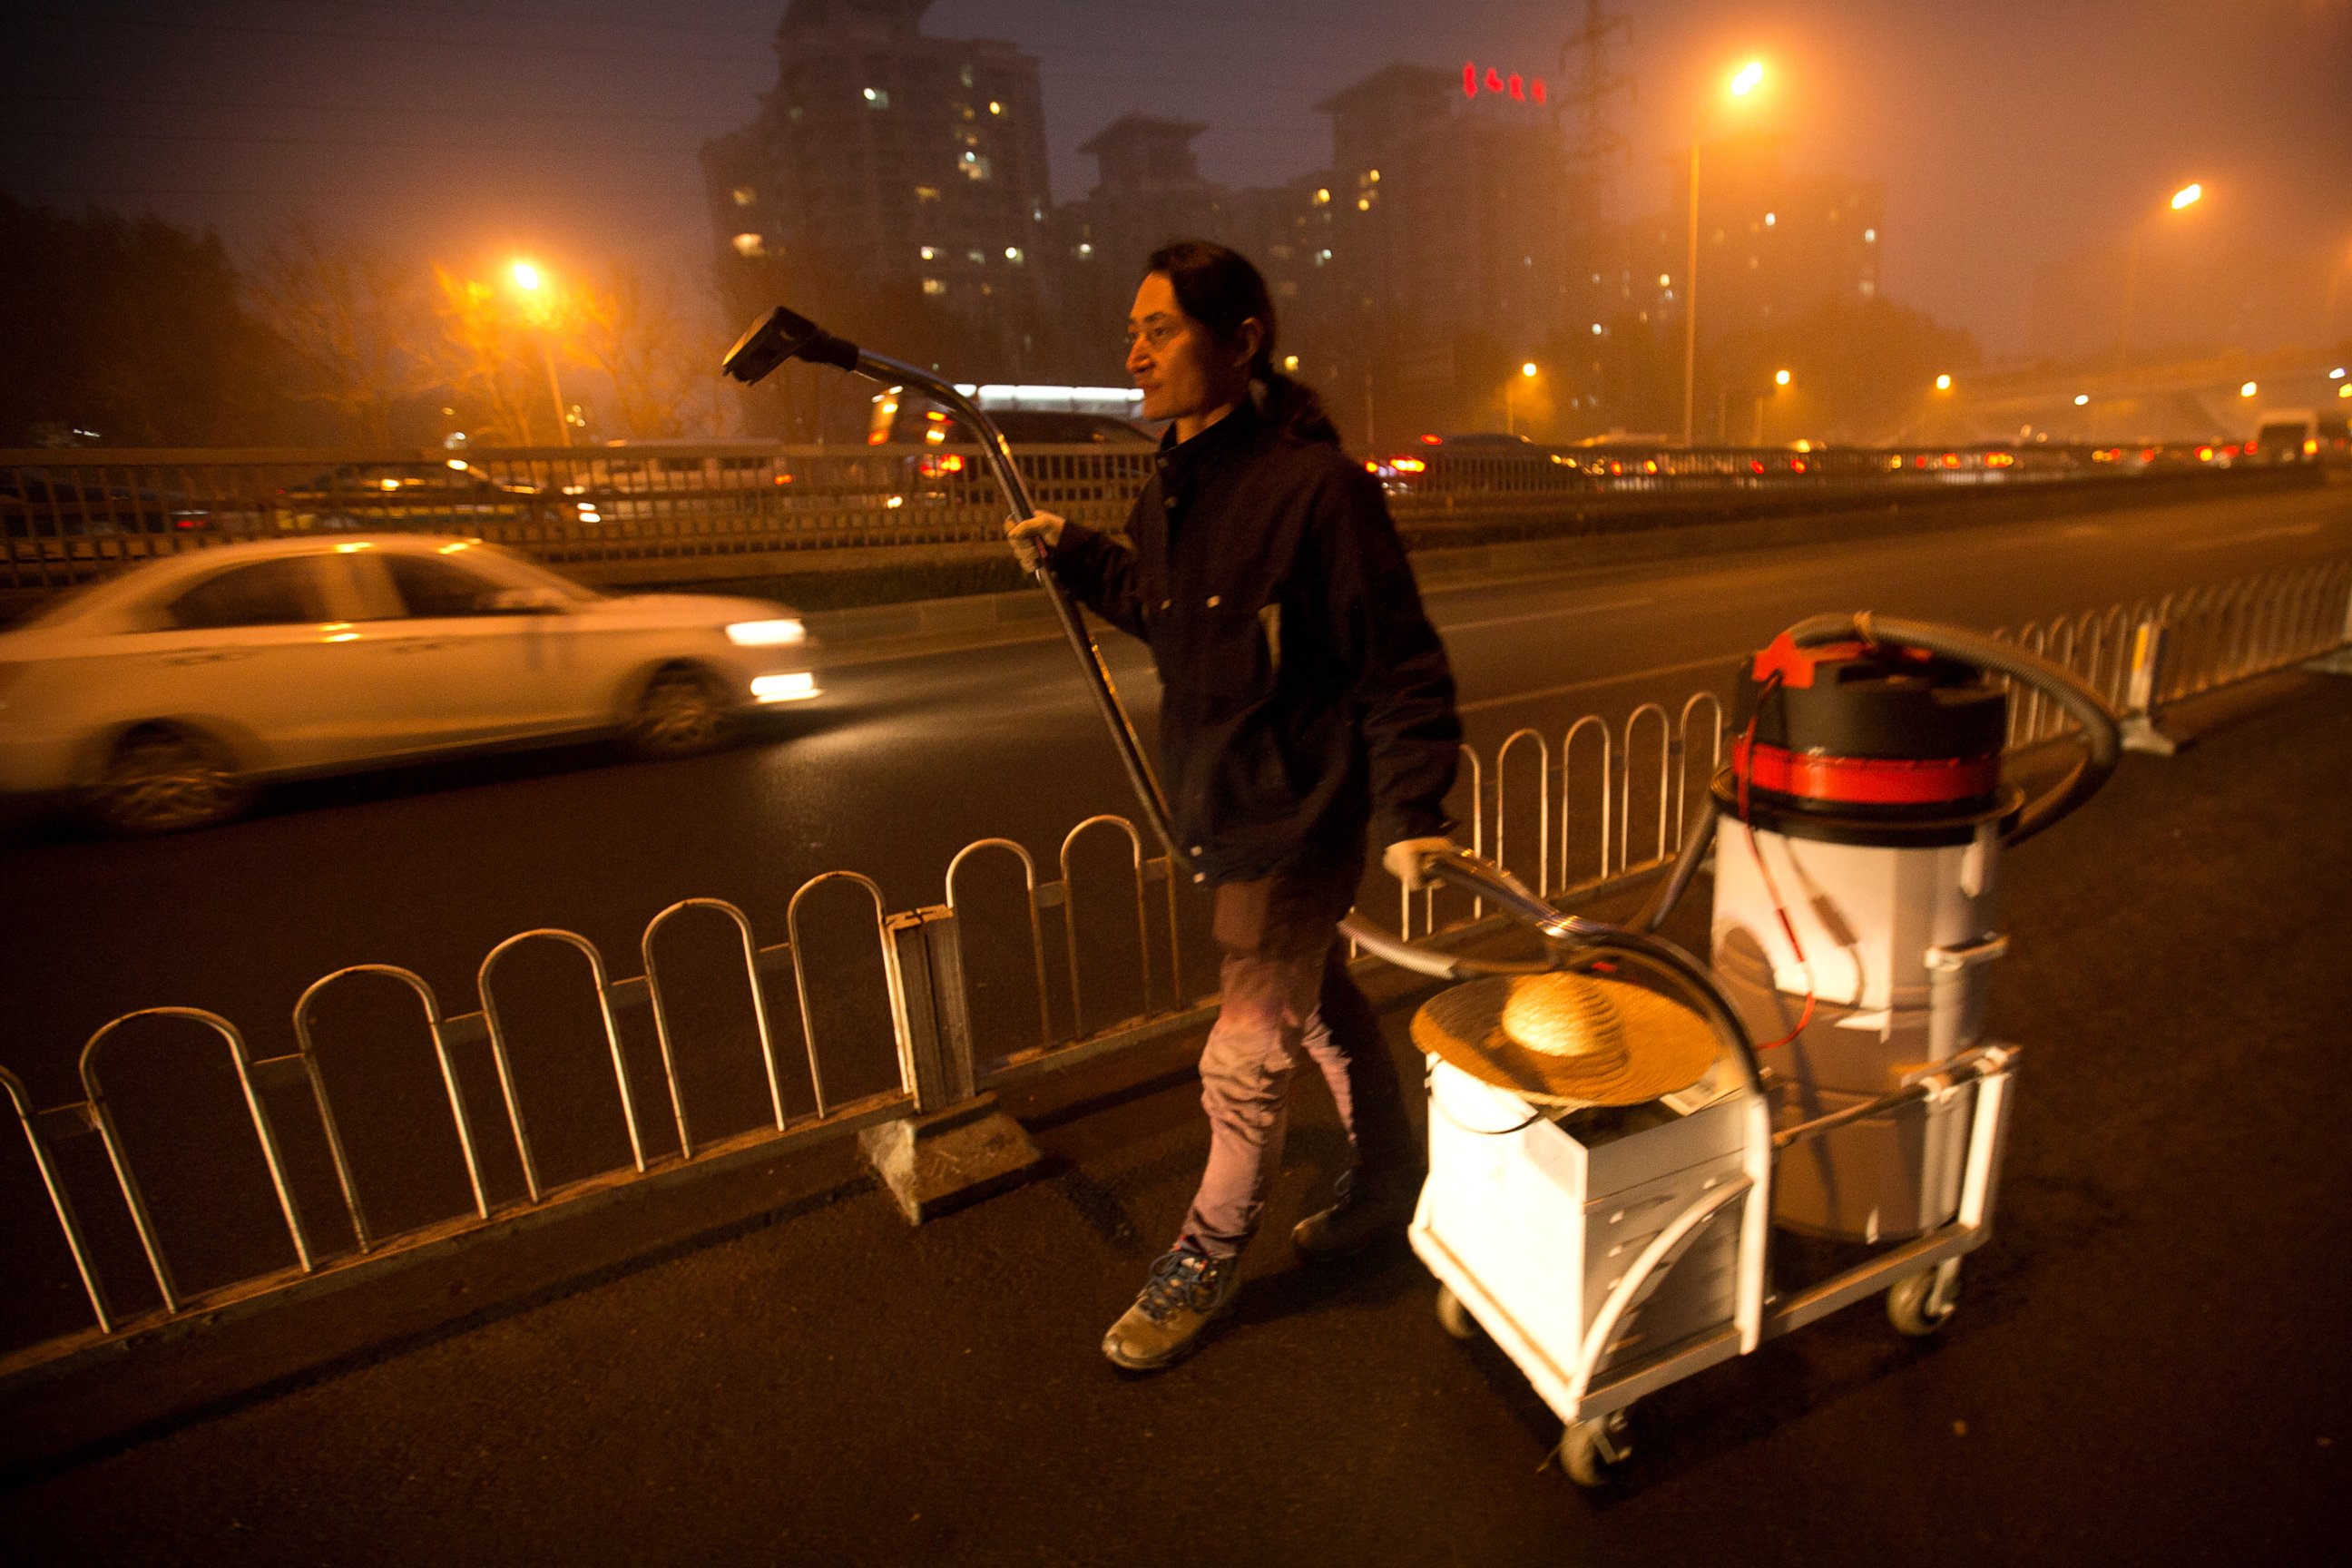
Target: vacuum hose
2102,741
1686,866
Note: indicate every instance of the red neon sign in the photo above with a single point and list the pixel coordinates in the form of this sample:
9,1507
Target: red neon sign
1493,80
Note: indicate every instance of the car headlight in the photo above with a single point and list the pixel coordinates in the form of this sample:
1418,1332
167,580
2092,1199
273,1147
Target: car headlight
765,634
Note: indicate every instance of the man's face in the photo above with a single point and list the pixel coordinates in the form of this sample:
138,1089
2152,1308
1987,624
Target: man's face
1171,358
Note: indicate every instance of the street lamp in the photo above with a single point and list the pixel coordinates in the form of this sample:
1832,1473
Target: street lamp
2186,196
1743,85
1943,384
1510,411
1780,379
531,281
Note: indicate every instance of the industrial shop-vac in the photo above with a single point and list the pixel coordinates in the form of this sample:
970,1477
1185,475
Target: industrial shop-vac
1613,1236
1611,1149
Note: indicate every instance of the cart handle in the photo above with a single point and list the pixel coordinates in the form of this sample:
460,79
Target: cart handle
1986,1062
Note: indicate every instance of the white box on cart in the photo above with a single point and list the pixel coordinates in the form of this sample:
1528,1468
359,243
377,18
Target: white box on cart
1531,1215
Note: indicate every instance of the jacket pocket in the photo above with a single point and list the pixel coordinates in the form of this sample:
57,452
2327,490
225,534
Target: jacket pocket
1229,664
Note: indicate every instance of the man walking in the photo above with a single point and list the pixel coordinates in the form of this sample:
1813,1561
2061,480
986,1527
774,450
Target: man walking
1306,700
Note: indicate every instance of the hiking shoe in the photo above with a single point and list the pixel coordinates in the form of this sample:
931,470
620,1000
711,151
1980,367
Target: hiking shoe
1187,1291
1365,1210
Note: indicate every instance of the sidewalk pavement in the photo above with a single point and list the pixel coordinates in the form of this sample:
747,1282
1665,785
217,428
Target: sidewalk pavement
2148,1362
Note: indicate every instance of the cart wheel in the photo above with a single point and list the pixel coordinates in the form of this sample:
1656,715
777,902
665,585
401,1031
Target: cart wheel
1453,1317
1911,1306
1590,1450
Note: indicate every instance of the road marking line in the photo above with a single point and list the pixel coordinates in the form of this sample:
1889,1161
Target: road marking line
1483,703
1545,615
2297,532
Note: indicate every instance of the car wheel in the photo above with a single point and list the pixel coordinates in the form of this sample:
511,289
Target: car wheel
680,712
163,778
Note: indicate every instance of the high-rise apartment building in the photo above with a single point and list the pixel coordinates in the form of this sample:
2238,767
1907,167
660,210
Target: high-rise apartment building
1443,215
893,186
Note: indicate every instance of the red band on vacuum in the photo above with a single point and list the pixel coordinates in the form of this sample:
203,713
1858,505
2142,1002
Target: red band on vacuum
1865,781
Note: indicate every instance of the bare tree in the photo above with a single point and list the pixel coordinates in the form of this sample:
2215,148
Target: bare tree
352,316
489,356
663,373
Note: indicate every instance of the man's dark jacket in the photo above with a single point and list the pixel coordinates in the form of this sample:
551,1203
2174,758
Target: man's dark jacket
1304,692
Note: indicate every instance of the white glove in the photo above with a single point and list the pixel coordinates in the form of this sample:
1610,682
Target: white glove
1405,860
1026,534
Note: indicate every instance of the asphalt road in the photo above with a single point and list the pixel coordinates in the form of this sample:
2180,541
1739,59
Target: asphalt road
2148,1365
916,756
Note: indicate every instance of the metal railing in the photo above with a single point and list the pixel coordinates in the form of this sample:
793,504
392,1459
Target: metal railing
66,516
1597,810
1122,931
2147,653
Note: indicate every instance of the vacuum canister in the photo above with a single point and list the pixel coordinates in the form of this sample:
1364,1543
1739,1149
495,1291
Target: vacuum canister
1853,913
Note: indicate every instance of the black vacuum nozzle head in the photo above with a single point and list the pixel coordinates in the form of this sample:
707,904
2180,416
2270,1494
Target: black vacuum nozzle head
780,335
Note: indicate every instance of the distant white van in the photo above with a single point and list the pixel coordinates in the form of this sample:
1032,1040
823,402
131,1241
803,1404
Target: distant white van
2285,435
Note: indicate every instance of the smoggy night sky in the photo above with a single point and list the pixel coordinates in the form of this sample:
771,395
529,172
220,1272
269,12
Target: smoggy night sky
2008,132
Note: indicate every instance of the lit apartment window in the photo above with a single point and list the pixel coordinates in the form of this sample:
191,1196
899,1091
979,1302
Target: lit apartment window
994,107
878,97
974,166
1870,236
977,258
1085,250
927,192
745,196
931,253
1013,254
750,245
934,286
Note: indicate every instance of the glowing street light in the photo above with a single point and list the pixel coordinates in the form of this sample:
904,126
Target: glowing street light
2247,389
1528,372
1743,85
2186,196
1780,379
528,277
1943,384
2081,398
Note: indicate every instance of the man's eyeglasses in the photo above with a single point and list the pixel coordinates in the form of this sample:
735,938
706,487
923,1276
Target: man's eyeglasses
1155,334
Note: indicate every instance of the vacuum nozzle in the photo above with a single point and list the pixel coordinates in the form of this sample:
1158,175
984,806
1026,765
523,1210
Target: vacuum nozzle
780,335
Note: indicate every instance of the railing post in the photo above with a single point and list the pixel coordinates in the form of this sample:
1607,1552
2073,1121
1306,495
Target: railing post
958,1148
2339,661
934,1022
2144,689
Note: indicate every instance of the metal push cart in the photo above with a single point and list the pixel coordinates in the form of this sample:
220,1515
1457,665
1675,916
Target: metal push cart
1609,1254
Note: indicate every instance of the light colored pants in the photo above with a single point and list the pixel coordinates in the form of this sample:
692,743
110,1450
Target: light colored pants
1288,993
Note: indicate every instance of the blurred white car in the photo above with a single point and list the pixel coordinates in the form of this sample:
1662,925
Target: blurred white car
160,698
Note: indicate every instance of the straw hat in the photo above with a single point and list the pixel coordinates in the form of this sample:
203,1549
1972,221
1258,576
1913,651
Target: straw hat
1559,1038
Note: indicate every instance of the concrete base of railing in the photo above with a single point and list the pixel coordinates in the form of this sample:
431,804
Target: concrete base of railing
2143,734
938,1163
2337,663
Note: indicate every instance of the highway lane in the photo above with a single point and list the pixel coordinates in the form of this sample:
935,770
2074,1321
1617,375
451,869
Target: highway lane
917,755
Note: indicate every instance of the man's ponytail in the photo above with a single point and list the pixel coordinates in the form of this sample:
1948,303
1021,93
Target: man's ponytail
1295,407
1219,288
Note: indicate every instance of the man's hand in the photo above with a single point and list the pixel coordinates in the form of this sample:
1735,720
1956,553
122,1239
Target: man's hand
1033,538
1405,860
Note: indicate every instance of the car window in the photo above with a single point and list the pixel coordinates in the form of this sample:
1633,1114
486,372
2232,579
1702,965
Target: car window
264,593
434,590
